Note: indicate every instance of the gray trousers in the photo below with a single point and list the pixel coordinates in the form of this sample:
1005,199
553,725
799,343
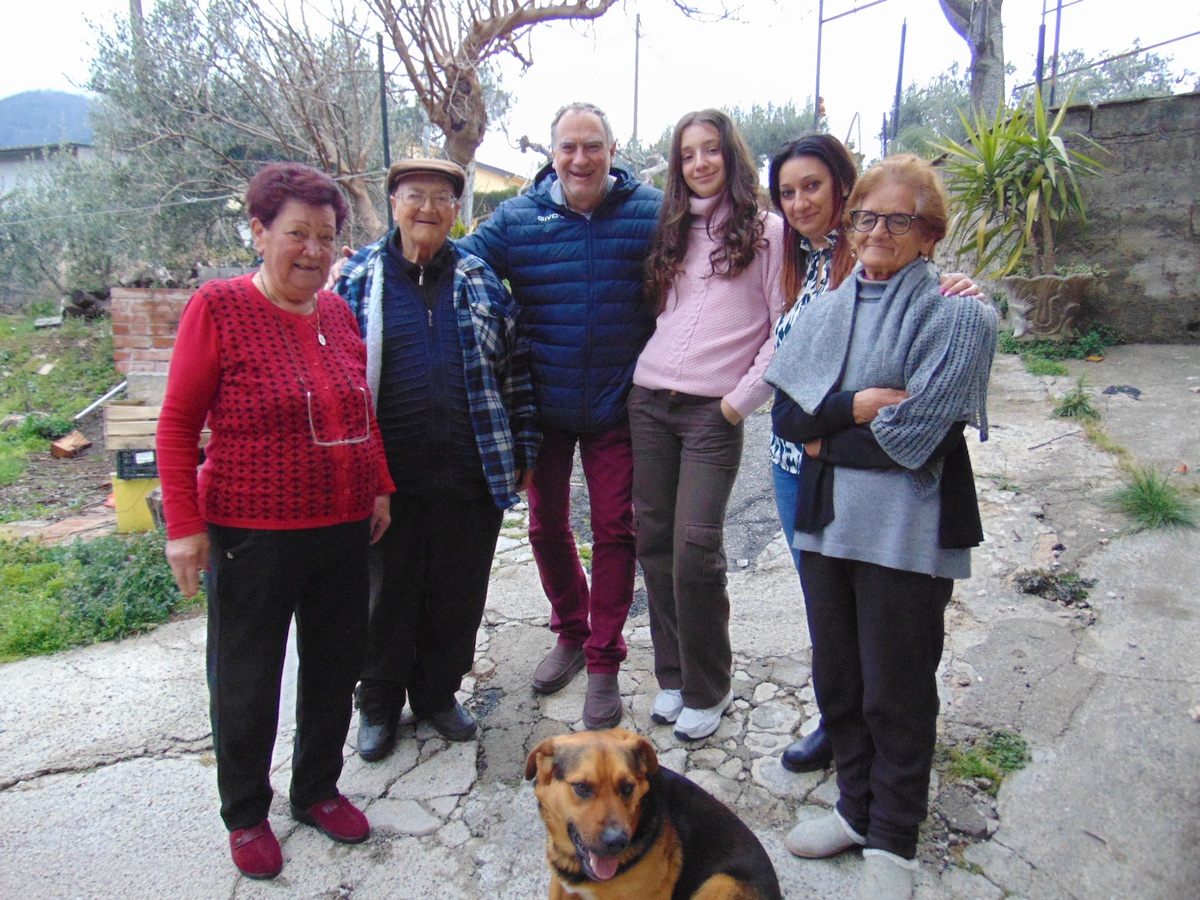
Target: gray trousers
685,460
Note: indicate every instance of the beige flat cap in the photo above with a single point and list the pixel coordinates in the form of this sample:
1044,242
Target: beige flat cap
449,170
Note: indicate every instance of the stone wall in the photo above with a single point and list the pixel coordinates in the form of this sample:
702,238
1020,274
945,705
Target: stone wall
1143,217
144,322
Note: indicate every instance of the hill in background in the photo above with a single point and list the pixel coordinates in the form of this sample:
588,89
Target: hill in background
37,118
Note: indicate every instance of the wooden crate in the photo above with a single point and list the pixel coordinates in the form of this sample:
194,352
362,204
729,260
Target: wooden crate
129,426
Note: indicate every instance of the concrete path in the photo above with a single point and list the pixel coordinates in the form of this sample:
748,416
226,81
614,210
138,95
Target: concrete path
107,785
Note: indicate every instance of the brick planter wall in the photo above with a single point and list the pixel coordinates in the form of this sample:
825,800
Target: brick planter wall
144,322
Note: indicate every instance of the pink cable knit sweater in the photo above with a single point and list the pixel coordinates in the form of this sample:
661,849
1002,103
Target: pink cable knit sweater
714,338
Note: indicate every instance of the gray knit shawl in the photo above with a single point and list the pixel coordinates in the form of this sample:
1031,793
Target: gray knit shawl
937,348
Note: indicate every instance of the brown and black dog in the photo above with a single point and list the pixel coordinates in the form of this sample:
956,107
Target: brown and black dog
620,826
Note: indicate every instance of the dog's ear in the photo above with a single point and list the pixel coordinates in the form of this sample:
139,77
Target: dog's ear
643,753
544,749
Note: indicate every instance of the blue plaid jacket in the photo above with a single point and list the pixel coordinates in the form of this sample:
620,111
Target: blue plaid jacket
495,359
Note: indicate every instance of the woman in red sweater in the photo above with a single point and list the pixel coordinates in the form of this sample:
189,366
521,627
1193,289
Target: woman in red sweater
293,489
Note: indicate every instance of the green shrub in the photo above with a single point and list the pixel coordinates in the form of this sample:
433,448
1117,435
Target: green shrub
47,428
1077,402
1038,355
1152,501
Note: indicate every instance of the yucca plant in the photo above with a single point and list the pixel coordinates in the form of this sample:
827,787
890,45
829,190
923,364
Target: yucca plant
1012,182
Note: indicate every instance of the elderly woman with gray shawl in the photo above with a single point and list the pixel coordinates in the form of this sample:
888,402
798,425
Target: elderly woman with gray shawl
877,381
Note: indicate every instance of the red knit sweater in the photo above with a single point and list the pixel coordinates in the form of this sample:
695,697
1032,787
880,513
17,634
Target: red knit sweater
259,376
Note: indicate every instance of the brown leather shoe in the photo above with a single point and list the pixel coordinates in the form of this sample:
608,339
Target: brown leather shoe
602,708
558,668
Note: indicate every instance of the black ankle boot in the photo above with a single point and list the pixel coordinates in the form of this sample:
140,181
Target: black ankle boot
810,753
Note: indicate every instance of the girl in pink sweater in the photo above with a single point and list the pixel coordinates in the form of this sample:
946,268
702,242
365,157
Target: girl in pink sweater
713,275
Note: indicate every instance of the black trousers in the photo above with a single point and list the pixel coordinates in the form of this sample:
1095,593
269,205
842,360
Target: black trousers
436,558
877,636
257,581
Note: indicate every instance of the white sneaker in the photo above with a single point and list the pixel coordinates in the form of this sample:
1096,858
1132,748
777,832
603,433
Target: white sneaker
667,706
694,724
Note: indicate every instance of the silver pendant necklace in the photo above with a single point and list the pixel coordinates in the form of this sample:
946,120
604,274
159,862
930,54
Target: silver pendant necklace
316,308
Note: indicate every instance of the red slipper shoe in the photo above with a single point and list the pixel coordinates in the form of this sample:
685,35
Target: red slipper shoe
340,819
255,851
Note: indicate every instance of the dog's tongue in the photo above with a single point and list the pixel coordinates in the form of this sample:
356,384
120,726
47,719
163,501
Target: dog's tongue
605,867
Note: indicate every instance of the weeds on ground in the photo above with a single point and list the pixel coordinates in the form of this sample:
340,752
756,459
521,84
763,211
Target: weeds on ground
1095,433
54,598
1064,588
1152,500
1077,402
1044,357
985,762
1004,484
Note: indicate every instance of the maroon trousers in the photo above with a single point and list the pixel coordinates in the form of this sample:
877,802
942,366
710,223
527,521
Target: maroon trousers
582,616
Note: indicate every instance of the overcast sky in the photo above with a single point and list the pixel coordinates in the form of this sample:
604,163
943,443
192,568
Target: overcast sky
766,55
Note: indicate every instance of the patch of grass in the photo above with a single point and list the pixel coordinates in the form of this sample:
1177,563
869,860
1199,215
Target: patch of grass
986,762
81,354
54,598
1077,402
585,555
1036,366
1153,501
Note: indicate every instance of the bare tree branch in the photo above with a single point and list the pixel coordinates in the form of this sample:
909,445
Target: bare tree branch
444,47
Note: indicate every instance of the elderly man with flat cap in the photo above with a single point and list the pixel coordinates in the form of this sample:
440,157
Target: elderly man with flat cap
455,405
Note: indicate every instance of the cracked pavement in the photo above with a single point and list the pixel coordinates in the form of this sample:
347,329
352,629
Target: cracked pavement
107,784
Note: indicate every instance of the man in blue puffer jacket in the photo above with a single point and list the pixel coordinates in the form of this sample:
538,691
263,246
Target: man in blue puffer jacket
572,250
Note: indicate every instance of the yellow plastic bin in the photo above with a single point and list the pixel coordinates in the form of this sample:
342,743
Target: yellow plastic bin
130,497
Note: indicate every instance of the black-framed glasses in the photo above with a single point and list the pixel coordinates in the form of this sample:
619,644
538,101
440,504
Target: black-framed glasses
896,223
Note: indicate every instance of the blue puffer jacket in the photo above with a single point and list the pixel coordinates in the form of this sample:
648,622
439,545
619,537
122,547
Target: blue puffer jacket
578,284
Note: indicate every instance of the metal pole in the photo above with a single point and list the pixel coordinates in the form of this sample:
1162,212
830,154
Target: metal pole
817,90
383,115
108,396
1054,65
899,81
637,46
1041,55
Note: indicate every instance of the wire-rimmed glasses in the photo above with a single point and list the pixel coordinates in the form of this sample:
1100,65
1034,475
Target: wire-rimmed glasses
415,199
312,427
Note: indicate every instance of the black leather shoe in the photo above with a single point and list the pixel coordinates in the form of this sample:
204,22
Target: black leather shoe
375,739
455,723
808,754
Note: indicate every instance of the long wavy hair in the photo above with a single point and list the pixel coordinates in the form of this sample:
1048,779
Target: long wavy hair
739,236
830,151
